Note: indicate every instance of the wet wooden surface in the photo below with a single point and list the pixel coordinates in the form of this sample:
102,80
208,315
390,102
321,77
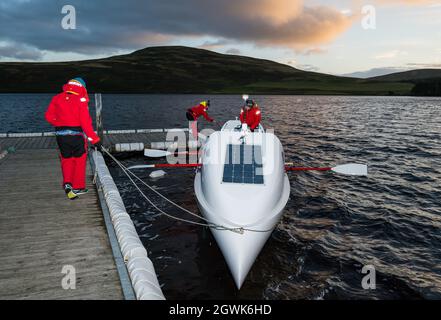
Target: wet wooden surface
41,231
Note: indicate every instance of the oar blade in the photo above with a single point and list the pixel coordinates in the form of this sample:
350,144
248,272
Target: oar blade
154,153
352,169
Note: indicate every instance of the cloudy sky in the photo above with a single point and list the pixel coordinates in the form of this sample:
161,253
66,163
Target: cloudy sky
326,36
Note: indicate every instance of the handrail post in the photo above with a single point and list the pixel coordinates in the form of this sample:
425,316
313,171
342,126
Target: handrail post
99,116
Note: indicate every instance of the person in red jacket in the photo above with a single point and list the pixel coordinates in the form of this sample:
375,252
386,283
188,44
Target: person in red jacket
251,114
195,112
68,112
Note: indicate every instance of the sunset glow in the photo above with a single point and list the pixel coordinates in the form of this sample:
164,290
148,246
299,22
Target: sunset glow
318,35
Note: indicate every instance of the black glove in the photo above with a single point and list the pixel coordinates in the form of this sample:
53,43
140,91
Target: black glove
98,145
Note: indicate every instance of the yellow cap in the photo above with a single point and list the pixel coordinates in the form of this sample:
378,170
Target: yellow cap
204,103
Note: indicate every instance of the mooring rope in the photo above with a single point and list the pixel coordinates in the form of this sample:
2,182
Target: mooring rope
209,224
95,160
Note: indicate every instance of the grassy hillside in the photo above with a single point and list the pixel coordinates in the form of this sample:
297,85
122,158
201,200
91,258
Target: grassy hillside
426,82
410,76
186,70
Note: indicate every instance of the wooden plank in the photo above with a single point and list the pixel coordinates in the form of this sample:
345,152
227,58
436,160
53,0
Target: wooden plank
41,231
39,143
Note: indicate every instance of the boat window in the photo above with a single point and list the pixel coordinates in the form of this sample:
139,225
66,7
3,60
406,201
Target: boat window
243,164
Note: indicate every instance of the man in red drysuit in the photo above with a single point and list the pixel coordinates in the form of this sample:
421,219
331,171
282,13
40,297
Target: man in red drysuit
68,112
251,114
194,113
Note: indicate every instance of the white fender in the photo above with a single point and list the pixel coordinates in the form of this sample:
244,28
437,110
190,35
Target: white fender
139,266
143,275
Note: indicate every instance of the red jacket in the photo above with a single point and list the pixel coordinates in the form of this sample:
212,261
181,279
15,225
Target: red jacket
251,117
200,110
71,109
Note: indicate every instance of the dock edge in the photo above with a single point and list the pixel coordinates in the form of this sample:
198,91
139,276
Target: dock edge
129,253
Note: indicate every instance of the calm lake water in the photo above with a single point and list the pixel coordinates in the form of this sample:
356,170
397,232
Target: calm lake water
333,225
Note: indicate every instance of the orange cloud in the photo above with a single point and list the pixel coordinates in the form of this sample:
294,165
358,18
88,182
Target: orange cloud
285,23
308,26
275,11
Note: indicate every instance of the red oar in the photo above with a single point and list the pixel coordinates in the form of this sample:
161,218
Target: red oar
353,169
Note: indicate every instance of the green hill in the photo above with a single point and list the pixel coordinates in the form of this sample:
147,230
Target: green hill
411,76
426,82
187,70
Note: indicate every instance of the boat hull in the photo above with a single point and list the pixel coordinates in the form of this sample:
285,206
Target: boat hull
242,189
240,250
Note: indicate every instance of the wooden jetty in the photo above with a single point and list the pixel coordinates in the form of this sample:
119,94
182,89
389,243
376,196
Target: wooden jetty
44,237
41,232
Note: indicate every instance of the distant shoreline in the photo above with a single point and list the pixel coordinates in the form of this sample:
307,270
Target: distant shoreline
185,70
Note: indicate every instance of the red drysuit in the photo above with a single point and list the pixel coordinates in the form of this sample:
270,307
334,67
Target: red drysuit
193,114
198,111
68,112
251,117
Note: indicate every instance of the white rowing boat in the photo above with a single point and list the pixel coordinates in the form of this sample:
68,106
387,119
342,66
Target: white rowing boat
242,186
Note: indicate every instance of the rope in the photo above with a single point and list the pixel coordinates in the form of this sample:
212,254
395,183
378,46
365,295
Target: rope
95,175
128,173
209,224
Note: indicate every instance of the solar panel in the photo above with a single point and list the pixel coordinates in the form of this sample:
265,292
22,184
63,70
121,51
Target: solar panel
243,164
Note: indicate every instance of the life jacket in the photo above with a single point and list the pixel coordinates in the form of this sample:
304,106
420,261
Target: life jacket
251,117
69,110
